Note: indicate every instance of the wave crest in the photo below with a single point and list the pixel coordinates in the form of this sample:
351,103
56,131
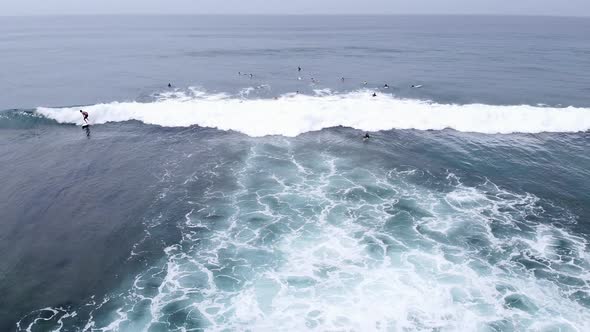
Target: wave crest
294,114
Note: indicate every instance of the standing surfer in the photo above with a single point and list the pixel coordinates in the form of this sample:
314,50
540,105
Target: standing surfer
85,116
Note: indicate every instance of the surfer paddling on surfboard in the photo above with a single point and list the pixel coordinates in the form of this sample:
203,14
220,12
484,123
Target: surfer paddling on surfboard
85,116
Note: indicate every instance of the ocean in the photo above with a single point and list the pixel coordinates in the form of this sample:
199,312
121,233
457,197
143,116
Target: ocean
244,198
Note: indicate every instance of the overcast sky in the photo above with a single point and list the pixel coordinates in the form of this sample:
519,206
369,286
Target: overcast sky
512,7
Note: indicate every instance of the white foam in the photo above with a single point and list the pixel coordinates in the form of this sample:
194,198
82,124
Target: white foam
326,259
294,114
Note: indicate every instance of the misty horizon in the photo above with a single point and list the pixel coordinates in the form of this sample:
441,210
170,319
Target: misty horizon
572,8
298,14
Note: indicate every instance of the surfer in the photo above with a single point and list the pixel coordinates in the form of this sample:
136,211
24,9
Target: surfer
374,94
169,85
386,86
366,137
85,116
299,69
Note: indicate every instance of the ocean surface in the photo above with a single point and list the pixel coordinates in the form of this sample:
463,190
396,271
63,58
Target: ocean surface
243,197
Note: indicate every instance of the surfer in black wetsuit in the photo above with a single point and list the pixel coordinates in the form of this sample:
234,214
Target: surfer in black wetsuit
366,137
84,115
374,94
298,68
169,85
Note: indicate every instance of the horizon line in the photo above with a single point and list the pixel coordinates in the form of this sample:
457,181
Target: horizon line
296,14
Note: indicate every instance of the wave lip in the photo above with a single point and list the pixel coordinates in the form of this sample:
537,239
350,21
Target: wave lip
294,114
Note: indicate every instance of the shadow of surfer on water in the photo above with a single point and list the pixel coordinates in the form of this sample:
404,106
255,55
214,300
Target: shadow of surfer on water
87,130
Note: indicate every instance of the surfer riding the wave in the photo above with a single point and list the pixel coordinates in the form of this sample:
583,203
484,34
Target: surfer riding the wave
85,116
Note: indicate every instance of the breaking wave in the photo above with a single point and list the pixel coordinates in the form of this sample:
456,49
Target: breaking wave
293,114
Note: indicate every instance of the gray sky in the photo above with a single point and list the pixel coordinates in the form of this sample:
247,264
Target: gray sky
511,7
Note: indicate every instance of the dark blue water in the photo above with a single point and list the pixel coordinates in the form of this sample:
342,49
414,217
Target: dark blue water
250,202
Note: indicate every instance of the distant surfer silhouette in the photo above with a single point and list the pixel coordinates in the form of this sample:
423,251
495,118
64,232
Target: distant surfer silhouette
298,68
386,86
374,94
366,137
84,116
169,85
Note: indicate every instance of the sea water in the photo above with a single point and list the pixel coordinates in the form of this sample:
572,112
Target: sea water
238,202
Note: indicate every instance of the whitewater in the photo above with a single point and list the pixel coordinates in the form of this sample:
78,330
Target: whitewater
304,238
293,114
